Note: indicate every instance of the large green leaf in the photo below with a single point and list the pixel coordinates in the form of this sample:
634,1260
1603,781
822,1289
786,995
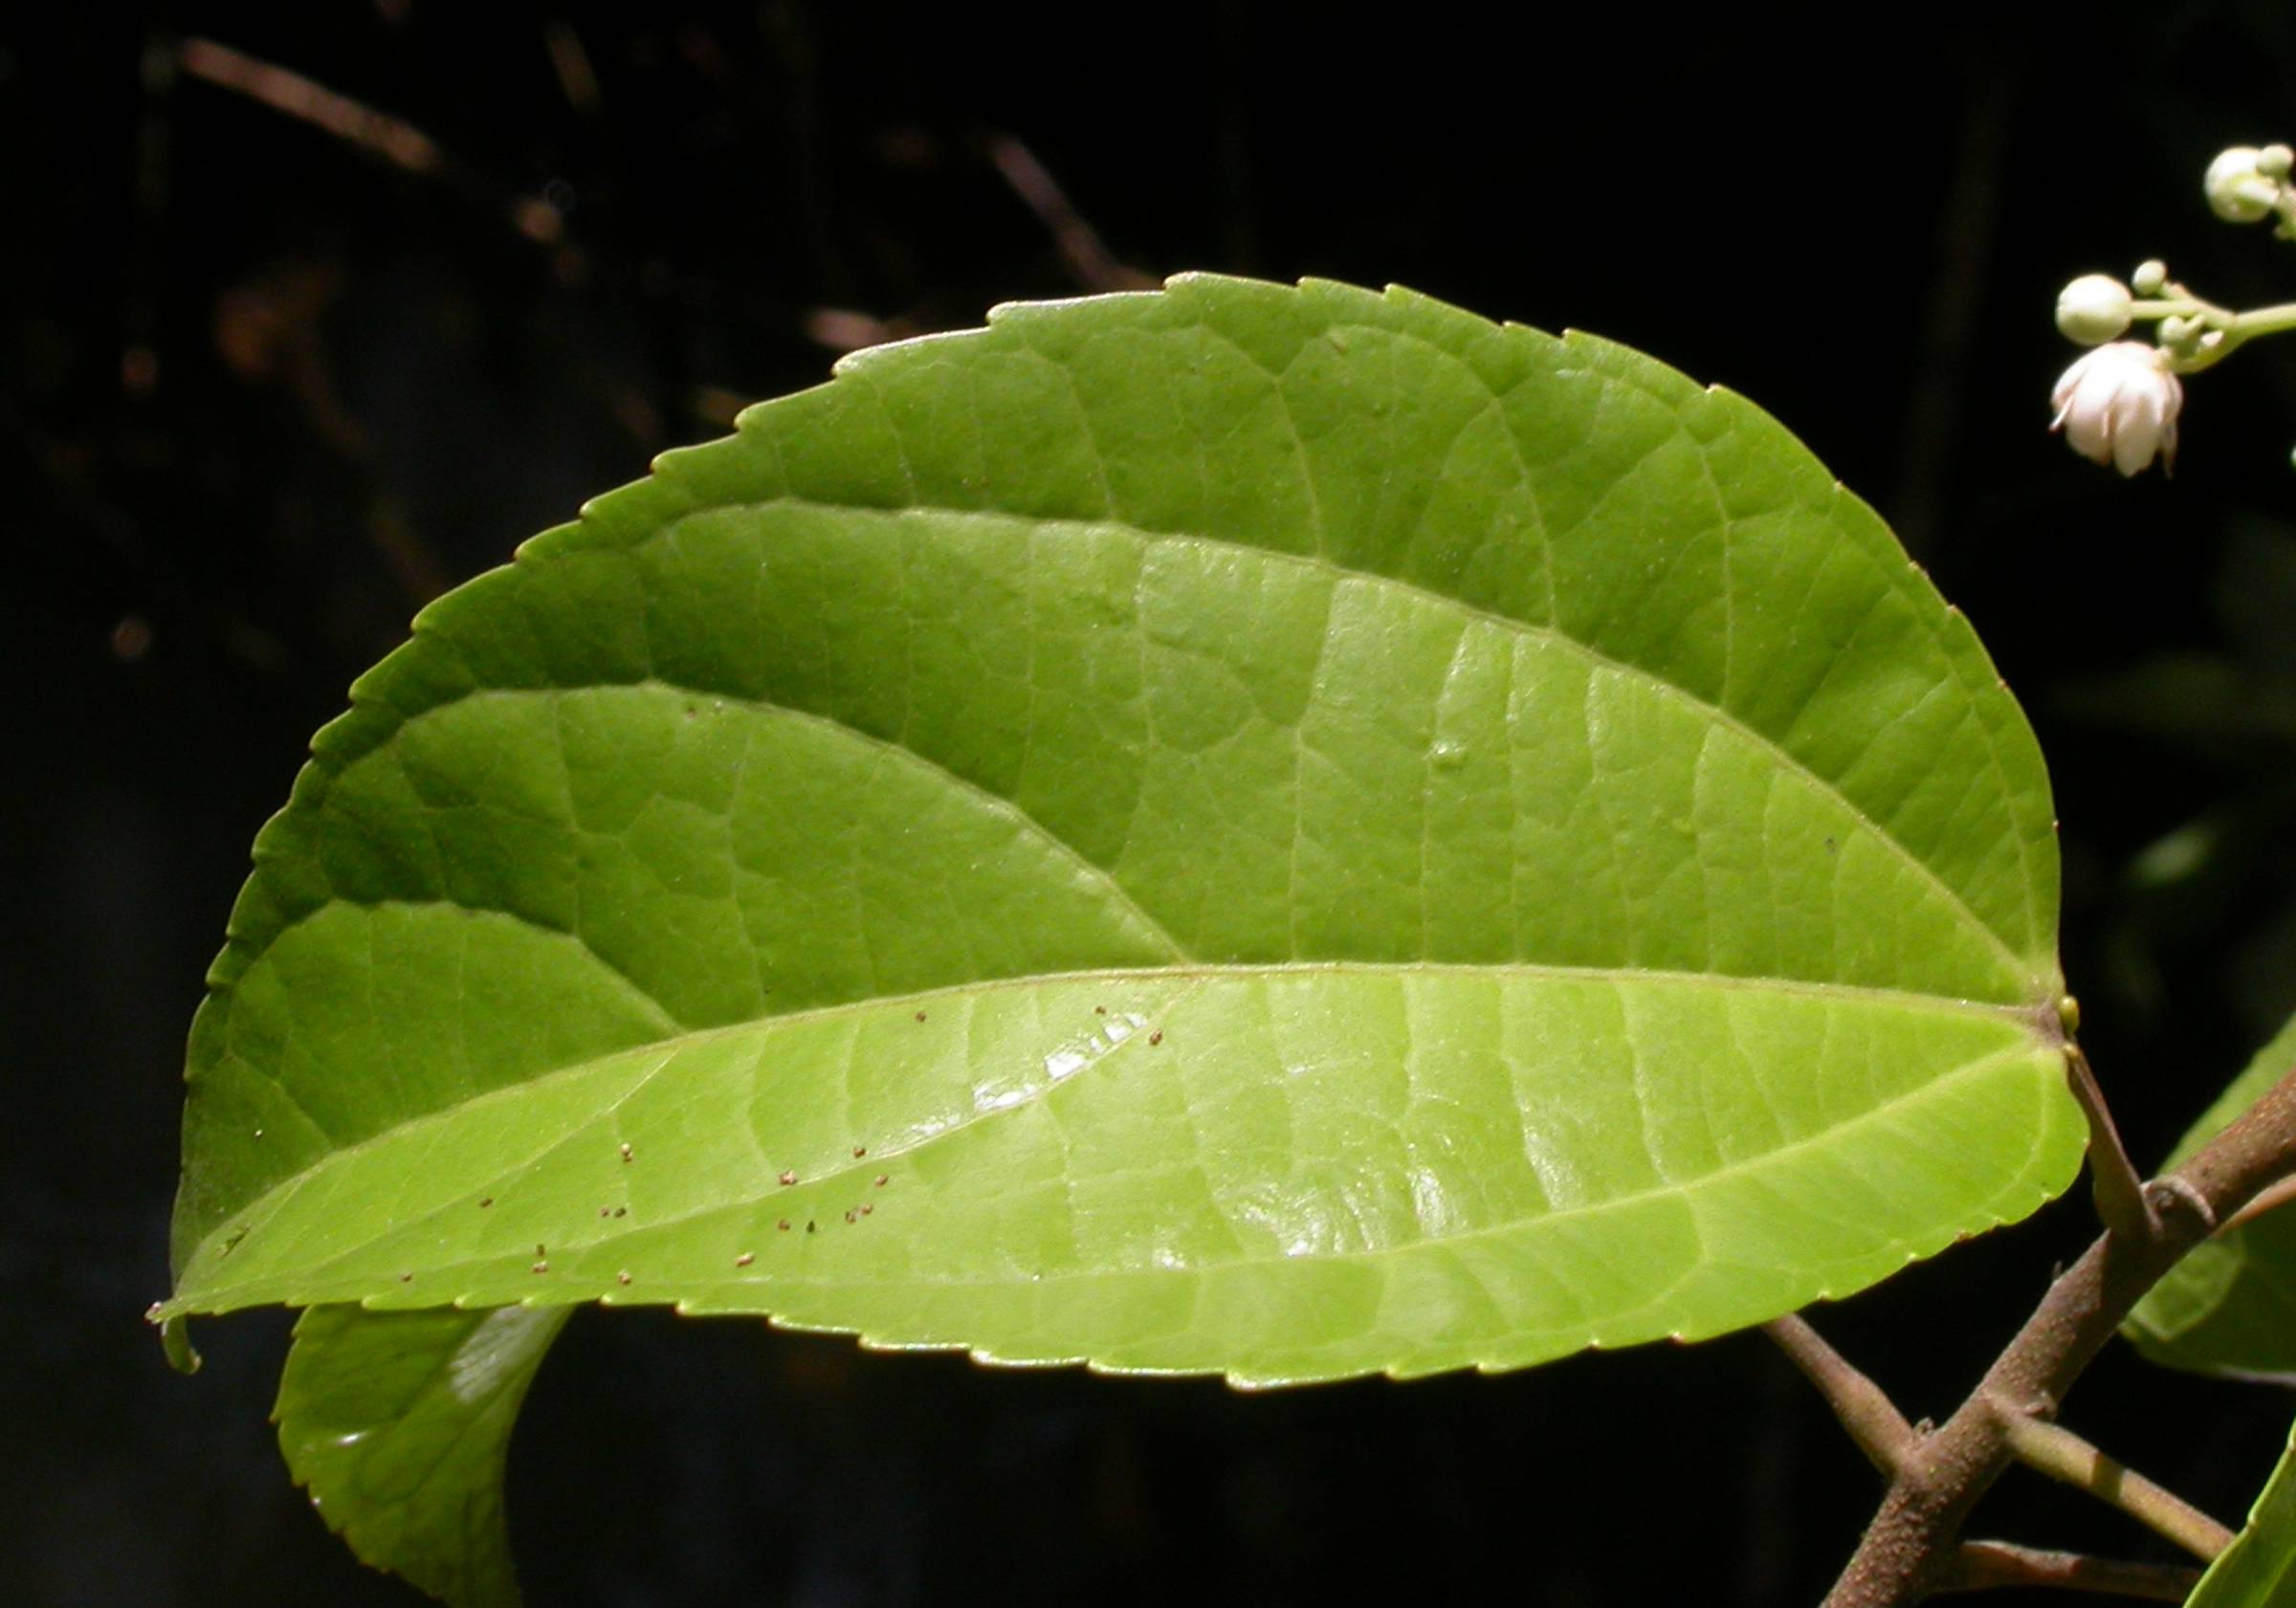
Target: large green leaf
1298,832
2230,1305
2259,1569
399,1423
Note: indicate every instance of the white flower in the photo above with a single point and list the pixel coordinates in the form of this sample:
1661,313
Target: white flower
2118,405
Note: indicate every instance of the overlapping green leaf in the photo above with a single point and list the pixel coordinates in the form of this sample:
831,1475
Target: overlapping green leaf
1289,832
398,1423
2230,1305
2259,1569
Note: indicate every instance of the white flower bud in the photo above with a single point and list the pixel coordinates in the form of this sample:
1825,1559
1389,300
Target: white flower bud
2150,278
2239,190
2274,162
2093,308
2118,405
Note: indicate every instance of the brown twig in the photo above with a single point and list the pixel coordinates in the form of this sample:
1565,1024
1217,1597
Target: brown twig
1866,1411
1909,1551
395,140
1989,1565
289,92
1081,246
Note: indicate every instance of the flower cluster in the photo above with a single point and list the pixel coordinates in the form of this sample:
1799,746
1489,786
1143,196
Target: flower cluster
2118,403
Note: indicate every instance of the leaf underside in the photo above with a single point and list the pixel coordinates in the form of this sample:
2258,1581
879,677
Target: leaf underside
2229,1307
1281,832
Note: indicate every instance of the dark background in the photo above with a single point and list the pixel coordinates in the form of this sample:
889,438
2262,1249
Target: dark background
264,388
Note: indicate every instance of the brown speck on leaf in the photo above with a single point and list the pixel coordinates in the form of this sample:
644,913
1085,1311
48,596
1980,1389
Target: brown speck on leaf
744,1260
783,1226
620,1211
867,1208
621,1278
859,1151
486,1199
626,1152
541,1252
851,1213
790,1177
1156,1038
1099,1010
405,1278
606,1211
811,1226
920,1016
539,1267
881,1177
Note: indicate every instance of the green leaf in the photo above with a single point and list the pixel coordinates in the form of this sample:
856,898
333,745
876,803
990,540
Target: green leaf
399,1423
1297,832
2230,1305
2259,1569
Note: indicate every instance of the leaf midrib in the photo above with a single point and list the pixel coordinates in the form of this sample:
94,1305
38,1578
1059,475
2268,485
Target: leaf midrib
276,1196
1684,1190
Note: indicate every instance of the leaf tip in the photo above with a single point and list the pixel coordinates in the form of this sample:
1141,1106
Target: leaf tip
175,1341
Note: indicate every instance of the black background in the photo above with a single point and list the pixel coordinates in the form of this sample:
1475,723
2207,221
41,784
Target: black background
261,392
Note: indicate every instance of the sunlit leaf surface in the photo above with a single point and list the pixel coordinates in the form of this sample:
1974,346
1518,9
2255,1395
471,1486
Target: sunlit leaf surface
1286,832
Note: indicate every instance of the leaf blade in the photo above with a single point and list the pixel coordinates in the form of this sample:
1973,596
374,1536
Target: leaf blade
2228,1306
1432,1113
1244,625
2259,1569
398,1424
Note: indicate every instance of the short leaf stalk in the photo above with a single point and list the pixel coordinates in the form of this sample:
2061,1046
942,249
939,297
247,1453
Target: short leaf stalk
2054,1450
1912,1550
2115,1182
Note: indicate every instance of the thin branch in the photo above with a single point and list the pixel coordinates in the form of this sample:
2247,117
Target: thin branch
1909,1551
283,90
2058,1452
1866,1411
395,140
577,79
1087,255
2268,1201
2114,1181
1988,1565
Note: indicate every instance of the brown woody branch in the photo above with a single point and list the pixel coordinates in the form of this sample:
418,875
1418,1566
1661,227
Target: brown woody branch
1989,1565
1912,1548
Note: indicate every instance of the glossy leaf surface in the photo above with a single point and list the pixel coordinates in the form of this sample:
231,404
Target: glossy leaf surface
399,1425
2230,1305
1281,832
2259,1569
